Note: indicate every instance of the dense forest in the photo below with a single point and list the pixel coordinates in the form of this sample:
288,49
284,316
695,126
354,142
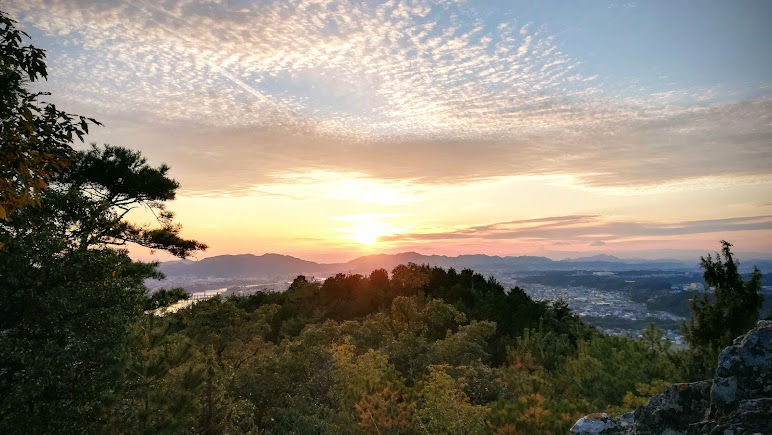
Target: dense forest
86,348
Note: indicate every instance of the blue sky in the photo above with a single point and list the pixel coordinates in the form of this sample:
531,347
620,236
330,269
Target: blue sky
658,42
377,118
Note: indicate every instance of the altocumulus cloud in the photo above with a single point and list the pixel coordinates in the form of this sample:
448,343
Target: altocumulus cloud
397,90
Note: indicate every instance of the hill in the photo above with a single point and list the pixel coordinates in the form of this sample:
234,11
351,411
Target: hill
242,266
277,266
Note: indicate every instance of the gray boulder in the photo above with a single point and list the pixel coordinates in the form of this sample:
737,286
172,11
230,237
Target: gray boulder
738,400
679,406
750,417
744,370
741,397
602,424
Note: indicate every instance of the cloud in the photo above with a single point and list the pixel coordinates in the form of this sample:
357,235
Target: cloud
623,5
253,93
588,229
559,243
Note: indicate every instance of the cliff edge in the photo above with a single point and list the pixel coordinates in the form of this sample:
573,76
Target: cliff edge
738,400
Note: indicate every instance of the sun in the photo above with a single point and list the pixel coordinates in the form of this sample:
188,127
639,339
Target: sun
366,230
367,233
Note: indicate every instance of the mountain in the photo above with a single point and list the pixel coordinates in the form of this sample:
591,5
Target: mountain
274,265
599,257
242,266
390,261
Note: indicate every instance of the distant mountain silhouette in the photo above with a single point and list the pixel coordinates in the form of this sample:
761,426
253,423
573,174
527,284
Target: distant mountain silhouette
274,265
241,266
247,266
599,257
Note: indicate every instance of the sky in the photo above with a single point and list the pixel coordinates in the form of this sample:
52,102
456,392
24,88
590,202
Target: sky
330,129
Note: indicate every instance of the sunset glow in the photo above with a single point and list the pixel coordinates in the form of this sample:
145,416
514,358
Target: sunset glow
385,216
367,234
365,229
329,129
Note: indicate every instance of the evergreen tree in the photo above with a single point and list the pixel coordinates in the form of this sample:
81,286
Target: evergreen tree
162,381
733,311
69,299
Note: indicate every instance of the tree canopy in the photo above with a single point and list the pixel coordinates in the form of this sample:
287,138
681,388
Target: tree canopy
71,296
36,137
732,311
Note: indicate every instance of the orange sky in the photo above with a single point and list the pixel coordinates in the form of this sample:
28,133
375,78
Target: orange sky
329,129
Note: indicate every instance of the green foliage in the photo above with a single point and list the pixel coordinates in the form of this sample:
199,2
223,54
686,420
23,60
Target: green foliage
640,396
35,137
732,312
164,298
419,363
376,355
102,186
444,408
466,346
63,323
655,340
606,367
161,383
69,301
676,303
385,412
532,413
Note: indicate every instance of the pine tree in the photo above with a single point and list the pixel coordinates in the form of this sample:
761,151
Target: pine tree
732,311
69,297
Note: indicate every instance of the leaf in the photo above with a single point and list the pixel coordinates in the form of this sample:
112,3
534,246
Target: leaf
2,212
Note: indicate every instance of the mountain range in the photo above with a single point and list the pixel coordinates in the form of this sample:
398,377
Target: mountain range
267,265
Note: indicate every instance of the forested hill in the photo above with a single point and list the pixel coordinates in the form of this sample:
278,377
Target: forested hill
248,265
418,350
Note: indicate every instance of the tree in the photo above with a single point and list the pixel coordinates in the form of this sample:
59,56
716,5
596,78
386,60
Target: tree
443,407
655,339
106,184
734,310
163,298
69,298
162,381
35,137
63,323
385,412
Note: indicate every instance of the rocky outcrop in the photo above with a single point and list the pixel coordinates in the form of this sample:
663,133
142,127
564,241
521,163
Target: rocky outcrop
602,424
678,407
738,400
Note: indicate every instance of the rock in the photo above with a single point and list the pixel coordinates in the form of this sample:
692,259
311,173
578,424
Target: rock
737,401
741,397
724,391
625,421
751,417
679,406
599,423
744,370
